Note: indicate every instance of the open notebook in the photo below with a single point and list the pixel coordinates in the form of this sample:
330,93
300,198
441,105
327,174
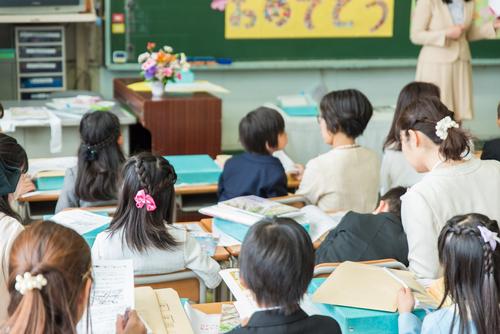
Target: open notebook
370,287
162,311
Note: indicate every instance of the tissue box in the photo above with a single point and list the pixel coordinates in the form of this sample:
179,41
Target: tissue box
195,169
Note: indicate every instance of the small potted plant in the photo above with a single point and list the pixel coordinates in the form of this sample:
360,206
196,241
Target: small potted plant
161,66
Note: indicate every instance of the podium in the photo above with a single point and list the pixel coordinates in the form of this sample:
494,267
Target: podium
178,123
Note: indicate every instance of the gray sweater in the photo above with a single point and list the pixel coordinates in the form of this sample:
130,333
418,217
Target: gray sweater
68,198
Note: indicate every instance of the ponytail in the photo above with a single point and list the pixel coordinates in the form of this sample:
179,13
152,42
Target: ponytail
424,115
61,258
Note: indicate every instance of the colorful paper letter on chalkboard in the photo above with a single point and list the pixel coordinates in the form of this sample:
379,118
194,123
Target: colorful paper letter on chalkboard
252,19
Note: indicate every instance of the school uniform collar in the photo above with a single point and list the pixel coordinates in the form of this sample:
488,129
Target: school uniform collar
270,318
260,158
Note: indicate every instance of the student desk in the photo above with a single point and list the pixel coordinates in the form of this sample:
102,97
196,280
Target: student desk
305,141
190,198
35,139
179,123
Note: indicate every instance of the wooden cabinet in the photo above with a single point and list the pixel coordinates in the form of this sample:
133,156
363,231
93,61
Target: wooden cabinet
179,124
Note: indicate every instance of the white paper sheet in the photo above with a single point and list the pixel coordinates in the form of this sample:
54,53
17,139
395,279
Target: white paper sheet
80,220
112,293
495,7
203,323
286,161
320,222
225,240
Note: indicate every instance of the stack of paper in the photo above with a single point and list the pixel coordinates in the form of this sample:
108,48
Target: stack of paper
81,221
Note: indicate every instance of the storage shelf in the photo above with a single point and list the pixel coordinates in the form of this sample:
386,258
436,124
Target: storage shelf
41,90
49,18
40,74
40,59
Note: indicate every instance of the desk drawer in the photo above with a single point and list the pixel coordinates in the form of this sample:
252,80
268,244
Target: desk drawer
40,36
27,67
42,82
47,51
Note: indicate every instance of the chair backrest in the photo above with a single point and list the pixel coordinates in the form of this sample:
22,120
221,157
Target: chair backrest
325,269
186,283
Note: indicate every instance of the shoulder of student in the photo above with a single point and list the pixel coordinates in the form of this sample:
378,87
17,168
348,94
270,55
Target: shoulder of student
9,227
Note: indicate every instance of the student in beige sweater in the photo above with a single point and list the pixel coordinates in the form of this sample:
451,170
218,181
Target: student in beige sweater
434,143
346,177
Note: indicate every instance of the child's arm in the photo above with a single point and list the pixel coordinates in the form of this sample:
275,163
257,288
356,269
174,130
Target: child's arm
422,234
408,323
203,265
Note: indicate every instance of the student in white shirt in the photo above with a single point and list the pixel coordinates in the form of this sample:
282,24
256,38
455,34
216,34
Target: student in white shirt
433,143
470,256
346,177
395,170
142,229
13,163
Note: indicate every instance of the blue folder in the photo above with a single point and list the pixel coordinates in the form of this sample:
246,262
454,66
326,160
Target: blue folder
357,320
49,183
195,169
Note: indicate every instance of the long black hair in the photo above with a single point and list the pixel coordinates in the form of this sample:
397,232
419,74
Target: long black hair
408,94
14,162
144,229
471,272
99,157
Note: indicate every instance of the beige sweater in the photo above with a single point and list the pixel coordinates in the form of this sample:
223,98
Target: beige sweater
9,230
342,179
471,187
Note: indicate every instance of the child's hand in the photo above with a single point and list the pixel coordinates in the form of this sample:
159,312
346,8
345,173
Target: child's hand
131,325
406,301
244,322
25,185
299,173
455,31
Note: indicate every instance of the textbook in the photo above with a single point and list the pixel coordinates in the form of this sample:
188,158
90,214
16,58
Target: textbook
162,311
250,209
48,174
245,303
370,287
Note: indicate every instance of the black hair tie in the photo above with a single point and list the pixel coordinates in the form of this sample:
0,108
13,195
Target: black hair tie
91,153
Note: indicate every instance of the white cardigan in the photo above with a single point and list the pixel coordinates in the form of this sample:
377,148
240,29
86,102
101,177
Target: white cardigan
342,179
188,254
471,187
9,230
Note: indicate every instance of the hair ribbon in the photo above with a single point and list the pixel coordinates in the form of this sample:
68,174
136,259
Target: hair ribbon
489,237
142,199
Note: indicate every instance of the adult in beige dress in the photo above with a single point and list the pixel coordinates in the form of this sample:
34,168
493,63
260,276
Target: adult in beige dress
444,29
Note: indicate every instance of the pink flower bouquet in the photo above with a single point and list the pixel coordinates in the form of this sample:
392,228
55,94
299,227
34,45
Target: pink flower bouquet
162,65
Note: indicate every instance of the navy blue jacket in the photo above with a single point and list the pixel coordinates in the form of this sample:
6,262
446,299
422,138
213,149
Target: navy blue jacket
252,174
272,322
491,150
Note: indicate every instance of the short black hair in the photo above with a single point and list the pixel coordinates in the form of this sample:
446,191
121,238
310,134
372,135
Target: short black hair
393,199
498,111
261,126
277,263
347,111
1,110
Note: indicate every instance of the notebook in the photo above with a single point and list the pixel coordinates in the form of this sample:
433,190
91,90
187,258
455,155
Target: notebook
162,311
370,287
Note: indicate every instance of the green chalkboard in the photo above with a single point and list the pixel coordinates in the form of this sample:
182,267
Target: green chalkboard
193,27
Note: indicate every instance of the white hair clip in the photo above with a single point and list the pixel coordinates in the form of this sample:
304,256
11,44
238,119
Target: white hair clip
443,125
27,282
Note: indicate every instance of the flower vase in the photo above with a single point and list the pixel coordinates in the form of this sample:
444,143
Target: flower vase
157,89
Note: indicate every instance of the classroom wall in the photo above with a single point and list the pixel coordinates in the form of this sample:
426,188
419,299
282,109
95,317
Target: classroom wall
252,87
